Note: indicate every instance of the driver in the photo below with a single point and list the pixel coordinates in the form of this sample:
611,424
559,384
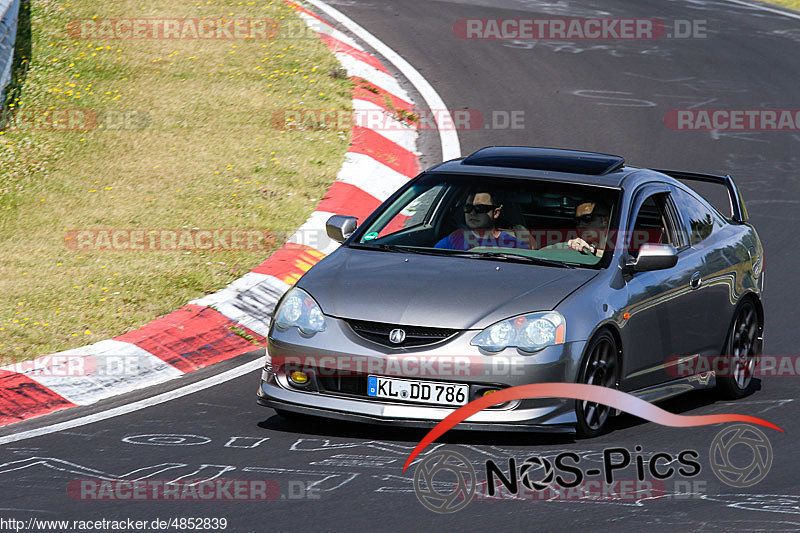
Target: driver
591,220
480,214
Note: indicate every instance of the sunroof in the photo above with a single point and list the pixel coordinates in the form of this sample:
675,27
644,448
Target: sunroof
551,159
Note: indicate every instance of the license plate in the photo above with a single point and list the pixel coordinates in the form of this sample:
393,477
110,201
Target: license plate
417,391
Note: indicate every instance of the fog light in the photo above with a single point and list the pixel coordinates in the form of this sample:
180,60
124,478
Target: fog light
489,391
300,378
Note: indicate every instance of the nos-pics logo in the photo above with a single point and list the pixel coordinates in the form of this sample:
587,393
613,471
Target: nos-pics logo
445,481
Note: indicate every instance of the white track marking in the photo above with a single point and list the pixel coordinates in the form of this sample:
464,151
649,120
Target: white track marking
251,291
312,233
243,284
166,439
323,27
106,368
448,137
370,175
374,117
387,82
245,442
136,406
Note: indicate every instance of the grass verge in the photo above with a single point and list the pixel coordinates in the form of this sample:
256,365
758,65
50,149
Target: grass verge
181,137
794,4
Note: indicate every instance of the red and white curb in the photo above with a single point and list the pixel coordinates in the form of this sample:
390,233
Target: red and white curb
200,333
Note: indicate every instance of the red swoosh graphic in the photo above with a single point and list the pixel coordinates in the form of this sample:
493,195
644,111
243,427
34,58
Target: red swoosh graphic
578,391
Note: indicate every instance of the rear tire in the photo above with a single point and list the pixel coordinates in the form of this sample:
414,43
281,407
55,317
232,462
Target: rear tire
599,367
741,346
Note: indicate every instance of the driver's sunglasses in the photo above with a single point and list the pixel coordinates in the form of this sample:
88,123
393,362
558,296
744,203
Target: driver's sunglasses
479,208
585,219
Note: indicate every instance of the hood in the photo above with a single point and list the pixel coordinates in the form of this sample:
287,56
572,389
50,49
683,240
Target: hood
435,291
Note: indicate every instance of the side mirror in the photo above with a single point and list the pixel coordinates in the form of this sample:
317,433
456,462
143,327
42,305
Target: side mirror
653,257
340,227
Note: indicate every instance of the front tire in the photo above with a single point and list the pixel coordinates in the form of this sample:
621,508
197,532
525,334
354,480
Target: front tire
741,346
600,367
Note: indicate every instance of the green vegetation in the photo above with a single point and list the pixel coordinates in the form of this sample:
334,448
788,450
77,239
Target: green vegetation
162,134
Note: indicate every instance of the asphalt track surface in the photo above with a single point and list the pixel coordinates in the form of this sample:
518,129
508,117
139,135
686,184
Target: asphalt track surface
606,96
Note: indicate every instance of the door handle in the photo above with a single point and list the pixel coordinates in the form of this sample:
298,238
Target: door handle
696,280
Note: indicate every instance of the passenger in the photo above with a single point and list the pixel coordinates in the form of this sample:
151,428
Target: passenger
480,214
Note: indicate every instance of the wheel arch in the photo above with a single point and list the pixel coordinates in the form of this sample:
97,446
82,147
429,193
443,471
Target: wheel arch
759,306
749,296
613,329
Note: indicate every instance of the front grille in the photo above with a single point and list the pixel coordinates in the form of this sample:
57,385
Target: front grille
326,380
414,335
356,385
343,384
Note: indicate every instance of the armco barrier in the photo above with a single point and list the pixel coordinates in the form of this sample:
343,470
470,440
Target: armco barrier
9,10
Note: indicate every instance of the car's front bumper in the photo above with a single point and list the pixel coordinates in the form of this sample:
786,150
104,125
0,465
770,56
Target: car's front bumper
504,369
353,415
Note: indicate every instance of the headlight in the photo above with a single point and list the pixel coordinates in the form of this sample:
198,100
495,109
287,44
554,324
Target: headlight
300,310
529,333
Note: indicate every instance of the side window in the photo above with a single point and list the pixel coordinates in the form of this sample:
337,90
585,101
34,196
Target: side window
699,220
653,224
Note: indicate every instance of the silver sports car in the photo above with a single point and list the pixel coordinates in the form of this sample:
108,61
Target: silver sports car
520,265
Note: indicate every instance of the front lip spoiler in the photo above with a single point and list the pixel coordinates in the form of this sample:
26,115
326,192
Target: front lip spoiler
404,422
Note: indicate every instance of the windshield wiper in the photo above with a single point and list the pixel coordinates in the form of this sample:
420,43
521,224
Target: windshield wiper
376,246
392,248
521,258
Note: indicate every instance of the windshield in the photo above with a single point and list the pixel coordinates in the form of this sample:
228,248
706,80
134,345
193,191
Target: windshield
539,221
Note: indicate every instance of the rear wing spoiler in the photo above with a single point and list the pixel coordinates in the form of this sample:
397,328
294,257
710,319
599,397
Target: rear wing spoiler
738,209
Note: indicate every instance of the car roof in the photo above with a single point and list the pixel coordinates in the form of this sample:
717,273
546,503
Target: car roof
571,166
